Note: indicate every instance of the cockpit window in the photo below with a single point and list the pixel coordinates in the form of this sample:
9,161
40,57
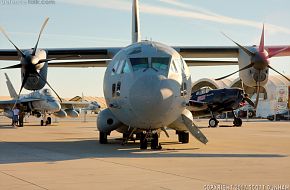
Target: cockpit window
139,63
160,63
47,92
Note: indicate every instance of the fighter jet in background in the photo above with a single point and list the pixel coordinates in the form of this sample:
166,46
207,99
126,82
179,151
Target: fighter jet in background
40,103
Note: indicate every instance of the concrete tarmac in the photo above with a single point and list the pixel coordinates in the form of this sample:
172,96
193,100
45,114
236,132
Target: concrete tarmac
67,155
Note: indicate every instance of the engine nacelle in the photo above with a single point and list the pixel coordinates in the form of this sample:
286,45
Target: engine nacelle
60,114
107,122
8,113
250,76
71,113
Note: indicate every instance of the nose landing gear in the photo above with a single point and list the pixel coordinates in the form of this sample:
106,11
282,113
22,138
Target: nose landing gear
150,137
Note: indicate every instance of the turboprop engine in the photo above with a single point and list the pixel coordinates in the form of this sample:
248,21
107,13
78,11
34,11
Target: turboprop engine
107,122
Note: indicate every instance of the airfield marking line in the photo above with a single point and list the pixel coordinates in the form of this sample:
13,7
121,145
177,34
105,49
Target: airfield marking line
20,179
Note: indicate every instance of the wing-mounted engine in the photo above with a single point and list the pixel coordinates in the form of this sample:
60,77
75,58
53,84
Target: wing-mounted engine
107,122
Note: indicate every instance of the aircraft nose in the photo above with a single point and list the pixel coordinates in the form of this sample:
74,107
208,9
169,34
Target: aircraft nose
151,96
55,106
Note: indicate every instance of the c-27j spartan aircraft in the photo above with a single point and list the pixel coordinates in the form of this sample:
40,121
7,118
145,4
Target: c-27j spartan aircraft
147,85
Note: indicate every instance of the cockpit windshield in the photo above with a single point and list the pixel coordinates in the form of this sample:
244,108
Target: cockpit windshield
47,92
160,63
139,63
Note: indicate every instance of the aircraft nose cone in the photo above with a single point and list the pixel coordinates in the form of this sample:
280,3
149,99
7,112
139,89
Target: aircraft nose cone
55,106
150,97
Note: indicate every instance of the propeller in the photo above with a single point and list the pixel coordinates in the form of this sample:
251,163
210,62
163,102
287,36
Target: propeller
29,63
259,61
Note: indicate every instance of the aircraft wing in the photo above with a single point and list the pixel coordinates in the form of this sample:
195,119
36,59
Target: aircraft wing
67,53
99,56
196,105
11,103
195,56
73,104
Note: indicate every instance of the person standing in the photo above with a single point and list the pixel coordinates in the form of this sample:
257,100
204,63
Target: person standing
15,116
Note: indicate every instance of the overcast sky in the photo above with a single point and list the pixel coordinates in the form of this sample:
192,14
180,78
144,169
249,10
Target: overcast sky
105,23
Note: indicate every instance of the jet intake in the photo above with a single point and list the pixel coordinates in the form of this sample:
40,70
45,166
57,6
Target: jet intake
72,113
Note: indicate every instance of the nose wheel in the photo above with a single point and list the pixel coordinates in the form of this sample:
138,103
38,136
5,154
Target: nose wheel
152,137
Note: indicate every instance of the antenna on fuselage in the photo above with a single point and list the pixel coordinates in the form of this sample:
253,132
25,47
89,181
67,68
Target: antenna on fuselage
136,35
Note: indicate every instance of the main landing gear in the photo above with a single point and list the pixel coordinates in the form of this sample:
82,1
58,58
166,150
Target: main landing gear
237,121
213,122
183,137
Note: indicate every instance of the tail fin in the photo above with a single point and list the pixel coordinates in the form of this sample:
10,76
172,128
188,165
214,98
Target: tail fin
136,35
11,89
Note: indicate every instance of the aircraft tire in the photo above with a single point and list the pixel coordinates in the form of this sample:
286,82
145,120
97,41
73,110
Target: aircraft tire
103,138
49,120
155,142
183,137
143,142
213,122
238,122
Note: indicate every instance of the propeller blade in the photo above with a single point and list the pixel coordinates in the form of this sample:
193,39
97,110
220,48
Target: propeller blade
21,88
240,46
279,73
41,30
246,67
192,128
12,67
40,76
273,54
18,50
258,90
262,41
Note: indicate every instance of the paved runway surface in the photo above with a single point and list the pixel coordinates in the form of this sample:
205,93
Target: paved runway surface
67,155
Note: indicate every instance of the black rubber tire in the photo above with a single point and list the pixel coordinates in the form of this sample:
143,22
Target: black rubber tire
155,142
238,122
103,138
183,137
213,122
143,142
49,120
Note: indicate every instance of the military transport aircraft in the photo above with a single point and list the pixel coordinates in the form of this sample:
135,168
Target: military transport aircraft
147,85
209,102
